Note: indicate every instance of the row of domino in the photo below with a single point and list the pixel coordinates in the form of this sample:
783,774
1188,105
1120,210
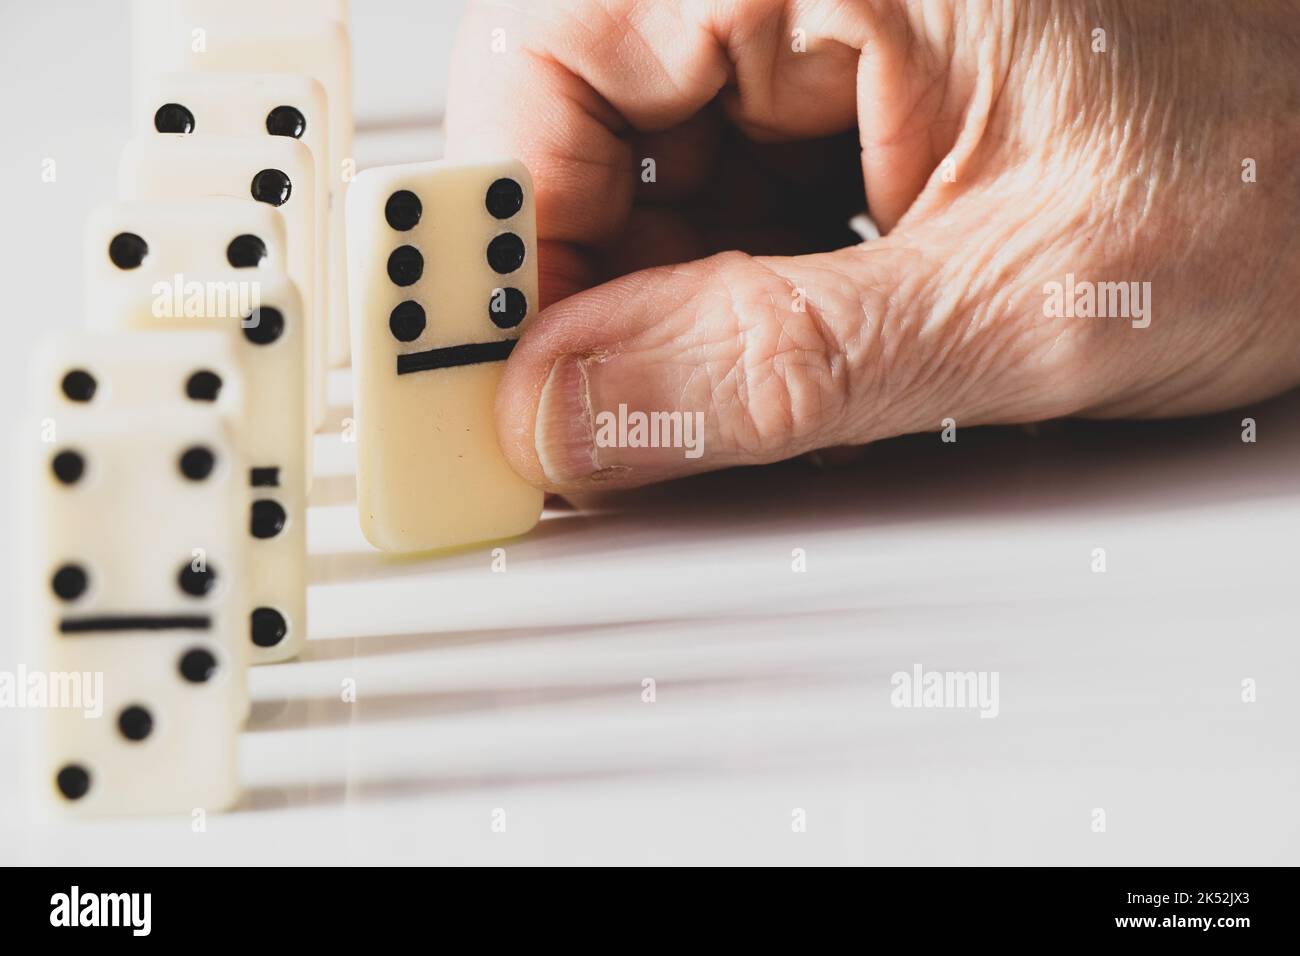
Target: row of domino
168,504
169,498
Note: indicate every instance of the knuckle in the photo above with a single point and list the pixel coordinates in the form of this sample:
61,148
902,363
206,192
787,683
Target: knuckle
780,374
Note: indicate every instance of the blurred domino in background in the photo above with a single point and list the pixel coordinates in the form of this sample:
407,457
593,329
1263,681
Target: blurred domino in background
273,170
253,106
301,37
268,341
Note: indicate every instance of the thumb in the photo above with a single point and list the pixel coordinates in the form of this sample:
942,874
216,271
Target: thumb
736,360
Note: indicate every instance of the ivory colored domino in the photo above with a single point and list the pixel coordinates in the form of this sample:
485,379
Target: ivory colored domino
443,282
154,21
161,245
253,36
136,557
272,169
256,105
268,340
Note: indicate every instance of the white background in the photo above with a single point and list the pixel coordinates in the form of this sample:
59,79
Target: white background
522,691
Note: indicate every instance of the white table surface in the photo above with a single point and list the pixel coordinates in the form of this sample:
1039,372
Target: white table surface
482,692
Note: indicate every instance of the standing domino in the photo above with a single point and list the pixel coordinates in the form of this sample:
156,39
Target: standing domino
255,105
160,245
273,169
444,278
269,343
252,36
138,565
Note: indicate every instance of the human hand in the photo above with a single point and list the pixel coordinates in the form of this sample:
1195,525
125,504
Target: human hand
1004,157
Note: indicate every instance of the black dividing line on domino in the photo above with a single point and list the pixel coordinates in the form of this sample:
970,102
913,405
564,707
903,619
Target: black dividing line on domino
455,356
139,622
265,477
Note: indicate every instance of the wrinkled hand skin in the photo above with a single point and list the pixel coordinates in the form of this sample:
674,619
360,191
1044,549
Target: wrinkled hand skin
1122,166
